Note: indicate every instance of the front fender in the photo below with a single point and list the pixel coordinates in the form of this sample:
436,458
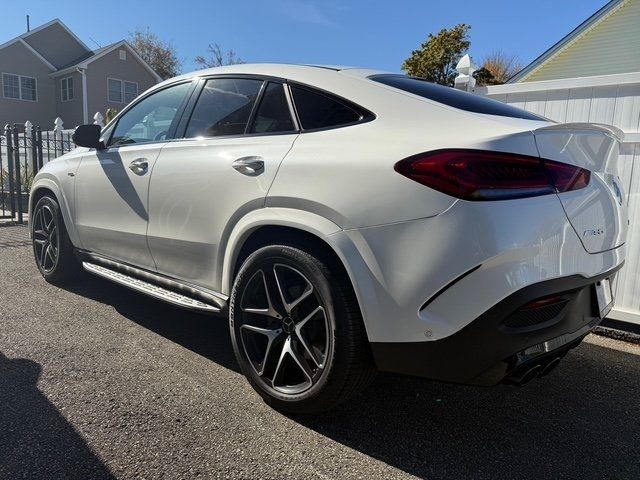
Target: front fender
47,181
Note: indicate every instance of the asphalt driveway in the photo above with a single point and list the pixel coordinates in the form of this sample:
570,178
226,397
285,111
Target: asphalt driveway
99,382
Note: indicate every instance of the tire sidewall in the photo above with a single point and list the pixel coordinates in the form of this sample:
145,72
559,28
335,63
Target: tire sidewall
50,202
317,275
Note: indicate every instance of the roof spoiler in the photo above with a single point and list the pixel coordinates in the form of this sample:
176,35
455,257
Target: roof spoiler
612,131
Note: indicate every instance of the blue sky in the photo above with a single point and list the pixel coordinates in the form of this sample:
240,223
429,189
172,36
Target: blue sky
378,34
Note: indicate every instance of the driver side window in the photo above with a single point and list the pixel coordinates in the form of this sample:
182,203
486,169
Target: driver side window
151,118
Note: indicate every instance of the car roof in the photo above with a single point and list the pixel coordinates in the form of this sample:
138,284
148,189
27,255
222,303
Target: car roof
281,70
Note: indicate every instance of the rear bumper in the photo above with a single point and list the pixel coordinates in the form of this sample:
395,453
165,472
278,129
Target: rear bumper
427,279
485,352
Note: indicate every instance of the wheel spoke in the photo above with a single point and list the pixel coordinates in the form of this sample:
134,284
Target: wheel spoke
308,289
287,350
298,329
271,334
47,224
43,258
270,311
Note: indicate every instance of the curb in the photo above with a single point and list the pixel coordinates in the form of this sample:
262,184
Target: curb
12,223
616,334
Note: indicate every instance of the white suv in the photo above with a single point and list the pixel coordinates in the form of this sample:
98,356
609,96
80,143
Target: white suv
346,221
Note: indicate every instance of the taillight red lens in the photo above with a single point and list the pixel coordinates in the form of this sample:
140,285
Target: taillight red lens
480,175
567,177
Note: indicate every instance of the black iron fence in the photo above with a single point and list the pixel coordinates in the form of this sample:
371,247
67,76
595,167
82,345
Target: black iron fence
23,152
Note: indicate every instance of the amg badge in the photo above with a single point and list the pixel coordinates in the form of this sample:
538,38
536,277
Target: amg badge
591,232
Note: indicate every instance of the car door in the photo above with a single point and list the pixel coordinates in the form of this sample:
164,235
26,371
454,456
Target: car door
239,131
112,184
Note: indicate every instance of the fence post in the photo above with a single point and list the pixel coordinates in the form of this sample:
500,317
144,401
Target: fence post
3,195
98,119
57,134
464,80
30,134
9,137
18,183
39,145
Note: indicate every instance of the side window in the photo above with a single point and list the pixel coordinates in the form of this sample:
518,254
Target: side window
273,114
223,108
150,119
320,111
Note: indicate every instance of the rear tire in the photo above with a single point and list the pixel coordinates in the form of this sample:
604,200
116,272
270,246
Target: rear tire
52,248
297,330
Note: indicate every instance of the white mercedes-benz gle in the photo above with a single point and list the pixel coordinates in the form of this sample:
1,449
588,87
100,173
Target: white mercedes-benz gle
346,221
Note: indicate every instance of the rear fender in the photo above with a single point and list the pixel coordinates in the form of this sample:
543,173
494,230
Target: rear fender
286,217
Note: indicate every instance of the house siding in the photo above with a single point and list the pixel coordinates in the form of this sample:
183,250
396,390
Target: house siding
17,59
611,46
110,66
71,110
56,45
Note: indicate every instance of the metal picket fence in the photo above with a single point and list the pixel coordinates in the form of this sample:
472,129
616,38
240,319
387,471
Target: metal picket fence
24,149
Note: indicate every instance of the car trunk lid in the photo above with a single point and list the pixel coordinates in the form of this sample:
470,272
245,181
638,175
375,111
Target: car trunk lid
597,212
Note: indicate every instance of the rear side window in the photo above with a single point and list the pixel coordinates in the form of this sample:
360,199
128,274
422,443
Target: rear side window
452,97
273,114
223,108
316,110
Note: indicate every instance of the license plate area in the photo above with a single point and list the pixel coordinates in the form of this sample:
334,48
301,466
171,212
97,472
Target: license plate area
604,294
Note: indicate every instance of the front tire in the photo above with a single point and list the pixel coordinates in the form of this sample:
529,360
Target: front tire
297,330
52,247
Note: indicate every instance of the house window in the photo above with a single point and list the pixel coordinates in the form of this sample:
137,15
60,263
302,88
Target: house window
19,87
114,93
130,91
123,54
121,90
66,86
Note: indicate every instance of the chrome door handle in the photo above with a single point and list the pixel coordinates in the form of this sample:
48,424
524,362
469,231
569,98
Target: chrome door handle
139,166
251,166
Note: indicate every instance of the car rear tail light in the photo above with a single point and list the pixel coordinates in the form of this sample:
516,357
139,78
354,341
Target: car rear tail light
481,175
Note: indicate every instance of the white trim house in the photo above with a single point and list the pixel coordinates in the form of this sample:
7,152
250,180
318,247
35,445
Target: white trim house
49,72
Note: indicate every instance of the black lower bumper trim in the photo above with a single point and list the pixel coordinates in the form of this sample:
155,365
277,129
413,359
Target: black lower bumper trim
483,353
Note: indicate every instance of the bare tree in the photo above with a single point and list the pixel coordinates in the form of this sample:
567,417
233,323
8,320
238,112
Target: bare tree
217,57
160,55
498,67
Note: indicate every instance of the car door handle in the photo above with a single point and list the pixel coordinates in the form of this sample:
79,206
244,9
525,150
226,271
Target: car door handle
139,166
250,166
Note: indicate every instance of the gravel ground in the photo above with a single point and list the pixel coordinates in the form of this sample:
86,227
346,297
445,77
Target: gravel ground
99,382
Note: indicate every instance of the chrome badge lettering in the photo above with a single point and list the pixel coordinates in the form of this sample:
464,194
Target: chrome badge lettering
591,232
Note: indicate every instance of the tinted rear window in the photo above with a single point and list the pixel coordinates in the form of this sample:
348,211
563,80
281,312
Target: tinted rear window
453,98
319,111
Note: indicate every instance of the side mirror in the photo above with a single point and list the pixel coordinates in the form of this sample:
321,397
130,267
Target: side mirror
88,136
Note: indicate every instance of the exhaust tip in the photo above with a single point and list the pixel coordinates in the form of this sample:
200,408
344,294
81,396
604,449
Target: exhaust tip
522,378
549,367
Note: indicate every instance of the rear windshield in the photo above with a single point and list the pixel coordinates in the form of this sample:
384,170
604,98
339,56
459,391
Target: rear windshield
452,97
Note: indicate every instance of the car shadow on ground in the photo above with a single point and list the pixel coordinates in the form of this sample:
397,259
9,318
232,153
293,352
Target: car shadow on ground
206,335
581,421
37,441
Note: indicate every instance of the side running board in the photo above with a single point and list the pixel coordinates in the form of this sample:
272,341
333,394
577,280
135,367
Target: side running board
149,288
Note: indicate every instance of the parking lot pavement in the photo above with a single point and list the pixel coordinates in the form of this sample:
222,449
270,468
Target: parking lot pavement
99,382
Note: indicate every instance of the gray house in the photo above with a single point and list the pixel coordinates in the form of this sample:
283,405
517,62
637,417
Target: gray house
49,72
